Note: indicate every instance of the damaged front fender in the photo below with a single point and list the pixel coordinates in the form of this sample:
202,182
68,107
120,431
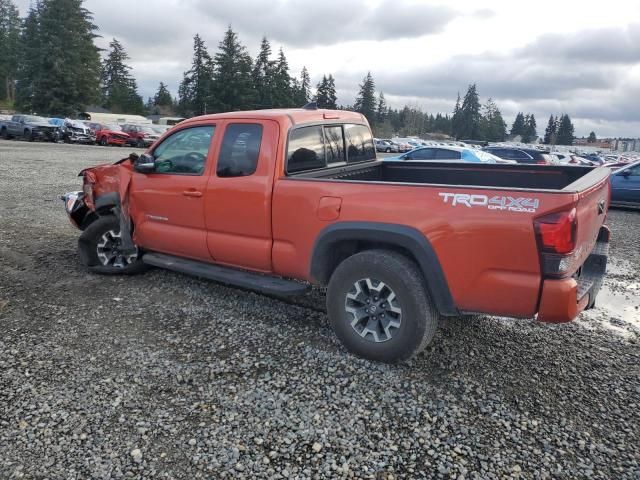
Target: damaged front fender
106,189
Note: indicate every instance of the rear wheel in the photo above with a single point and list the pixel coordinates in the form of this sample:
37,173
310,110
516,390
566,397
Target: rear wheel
104,141
140,143
379,307
388,150
28,134
100,249
5,134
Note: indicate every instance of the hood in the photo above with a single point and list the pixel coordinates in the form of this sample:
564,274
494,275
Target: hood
40,124
118,132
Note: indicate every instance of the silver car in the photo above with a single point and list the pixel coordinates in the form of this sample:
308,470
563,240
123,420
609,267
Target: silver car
386,146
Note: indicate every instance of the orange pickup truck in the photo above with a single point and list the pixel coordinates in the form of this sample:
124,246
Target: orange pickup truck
275,200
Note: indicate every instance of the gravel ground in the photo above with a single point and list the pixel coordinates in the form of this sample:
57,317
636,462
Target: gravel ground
166,376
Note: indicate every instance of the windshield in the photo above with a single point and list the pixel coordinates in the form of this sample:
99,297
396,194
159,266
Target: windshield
147,130
113,127
33,119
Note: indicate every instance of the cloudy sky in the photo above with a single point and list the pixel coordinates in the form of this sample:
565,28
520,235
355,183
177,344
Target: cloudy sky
545,57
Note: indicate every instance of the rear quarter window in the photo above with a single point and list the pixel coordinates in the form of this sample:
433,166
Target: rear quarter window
359,141
306,149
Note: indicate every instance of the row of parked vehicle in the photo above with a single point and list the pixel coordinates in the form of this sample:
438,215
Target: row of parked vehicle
32,127
625,179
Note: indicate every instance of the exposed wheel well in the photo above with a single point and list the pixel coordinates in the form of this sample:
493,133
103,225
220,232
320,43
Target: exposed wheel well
341,250
341,240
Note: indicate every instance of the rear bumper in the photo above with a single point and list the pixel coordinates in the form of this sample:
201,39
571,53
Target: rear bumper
562,300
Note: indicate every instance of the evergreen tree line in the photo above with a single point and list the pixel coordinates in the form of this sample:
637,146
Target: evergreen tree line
51,65
472,121
387,122
231,80
560,131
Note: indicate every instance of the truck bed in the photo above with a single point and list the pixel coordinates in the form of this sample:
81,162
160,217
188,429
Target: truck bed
528,177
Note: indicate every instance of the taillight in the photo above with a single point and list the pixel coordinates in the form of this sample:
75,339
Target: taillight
557,232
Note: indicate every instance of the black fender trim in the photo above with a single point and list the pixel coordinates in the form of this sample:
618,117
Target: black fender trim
107,200
402,236
112,201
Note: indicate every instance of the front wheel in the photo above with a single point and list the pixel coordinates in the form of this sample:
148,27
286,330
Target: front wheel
104,142
379,307
100,249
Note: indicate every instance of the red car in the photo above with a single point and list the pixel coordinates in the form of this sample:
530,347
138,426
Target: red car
141,136
109,134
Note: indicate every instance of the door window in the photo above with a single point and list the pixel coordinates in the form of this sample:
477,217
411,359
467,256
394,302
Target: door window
444,154
421,154
306,149
240,150
184,152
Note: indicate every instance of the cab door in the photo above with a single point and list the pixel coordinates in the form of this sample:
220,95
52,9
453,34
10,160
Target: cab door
167,206
625,185
239,193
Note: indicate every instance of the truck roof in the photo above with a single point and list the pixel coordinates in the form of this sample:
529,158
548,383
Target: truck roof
295,116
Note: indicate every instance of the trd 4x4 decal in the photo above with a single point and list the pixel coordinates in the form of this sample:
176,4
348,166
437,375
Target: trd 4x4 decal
510,204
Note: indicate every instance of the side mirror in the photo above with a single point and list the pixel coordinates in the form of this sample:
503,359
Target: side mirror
145,163
406,156
626,173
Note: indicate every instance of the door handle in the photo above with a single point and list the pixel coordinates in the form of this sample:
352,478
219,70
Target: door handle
192,193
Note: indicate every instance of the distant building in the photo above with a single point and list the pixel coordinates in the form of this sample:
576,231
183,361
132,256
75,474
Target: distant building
626,144
584,142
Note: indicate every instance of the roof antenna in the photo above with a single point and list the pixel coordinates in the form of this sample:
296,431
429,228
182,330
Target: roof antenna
311,106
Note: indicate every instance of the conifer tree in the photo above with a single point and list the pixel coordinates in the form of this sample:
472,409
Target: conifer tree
366,99
60,72
10,48
550,132
196,94
262,74
282,91
565,131
233,84
119,89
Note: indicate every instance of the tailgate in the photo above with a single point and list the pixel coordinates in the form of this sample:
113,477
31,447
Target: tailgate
593,195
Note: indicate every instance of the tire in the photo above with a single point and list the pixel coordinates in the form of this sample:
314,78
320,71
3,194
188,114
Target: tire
388,150
104,141
95,249
28,134
410,316
140,144
5,134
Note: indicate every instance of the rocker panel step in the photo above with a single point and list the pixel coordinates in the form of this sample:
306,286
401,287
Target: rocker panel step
227,275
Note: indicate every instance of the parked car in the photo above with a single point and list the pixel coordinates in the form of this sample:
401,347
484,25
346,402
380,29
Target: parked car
29,127
140,136
446,154
595,159
386,146
403,146
301,195
108,134
73,131
521,155
625,185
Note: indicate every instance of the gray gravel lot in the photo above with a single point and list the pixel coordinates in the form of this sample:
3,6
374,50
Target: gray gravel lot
166,376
